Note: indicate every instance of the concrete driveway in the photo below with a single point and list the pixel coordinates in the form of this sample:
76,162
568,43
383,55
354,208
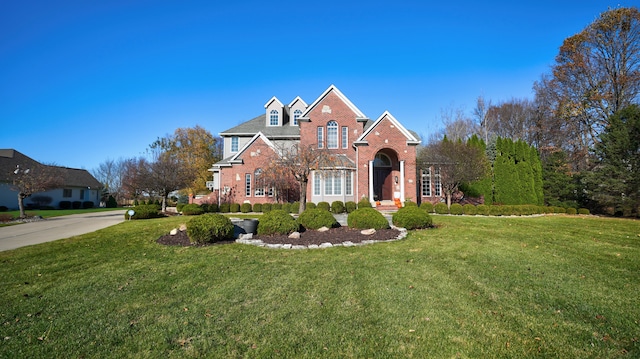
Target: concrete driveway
55,228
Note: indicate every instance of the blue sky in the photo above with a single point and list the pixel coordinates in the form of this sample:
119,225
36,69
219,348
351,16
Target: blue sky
86,81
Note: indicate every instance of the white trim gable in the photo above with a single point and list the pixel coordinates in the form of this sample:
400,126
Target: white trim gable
334,89
273,99
411,139
297,99
235,159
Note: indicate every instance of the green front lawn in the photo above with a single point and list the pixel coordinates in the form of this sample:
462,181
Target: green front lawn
475,287
46,213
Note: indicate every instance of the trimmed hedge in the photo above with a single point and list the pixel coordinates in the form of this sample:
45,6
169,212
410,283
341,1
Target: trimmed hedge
208,228
412,217
324,205
245,207
350,206
277,221
144,211
266,207
337,207
456,209
469,209
257,207
583,211
64,204
192,210
317,218
441,208
364,203
427,207
295,207
365,218
234,207
572,211
311,205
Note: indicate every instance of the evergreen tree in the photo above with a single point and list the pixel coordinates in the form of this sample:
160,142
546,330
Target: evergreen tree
615,180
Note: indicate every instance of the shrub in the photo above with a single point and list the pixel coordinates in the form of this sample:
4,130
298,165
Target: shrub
76,204
277,221
337,207
208,228
64,204
364,218
409,202
179,207
245,208
311,205
456,209
495,210
364,203
583,211
144,211
6,217
316,218
87,204
257,207
286,207
560,210
572,211
412,217
234,207
350,206
276,206
469,209
427,207
3,208
213,208
192,210
482,209
441,208
266,207
225,207
41,200
324,205
295,207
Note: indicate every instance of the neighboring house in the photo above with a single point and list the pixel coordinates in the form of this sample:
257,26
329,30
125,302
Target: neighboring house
78,185
375,159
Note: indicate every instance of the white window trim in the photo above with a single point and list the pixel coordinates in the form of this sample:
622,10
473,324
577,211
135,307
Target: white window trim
274,114
332,135
320,137
345,137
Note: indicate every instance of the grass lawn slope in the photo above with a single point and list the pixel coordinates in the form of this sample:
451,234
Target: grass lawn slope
475,287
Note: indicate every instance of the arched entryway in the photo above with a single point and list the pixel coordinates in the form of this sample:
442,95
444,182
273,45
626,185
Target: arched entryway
385,175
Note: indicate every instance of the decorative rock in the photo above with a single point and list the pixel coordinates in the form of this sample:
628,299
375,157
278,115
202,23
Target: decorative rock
287,246
298,247
368,232
313,246
323,229
294,235
325,245
348,244
174,232
183,227
245,236
275,246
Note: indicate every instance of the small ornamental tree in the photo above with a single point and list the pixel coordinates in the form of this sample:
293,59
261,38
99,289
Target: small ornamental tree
32,178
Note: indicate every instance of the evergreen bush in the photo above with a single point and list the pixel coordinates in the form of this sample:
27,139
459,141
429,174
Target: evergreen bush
76,204
364,203
337,207
427,207
469,209
266,207
583,211
286,207
192,210
409,202
225,207
275,206
234,207
495,210
412,217
245,207
208,228
324,205
277,221
572,211
482,209
311,205
350,206
179,207
295,207
213,208
87,204
316,218
257,207
144,211
111,202
441,208
365,218
456,209
64,204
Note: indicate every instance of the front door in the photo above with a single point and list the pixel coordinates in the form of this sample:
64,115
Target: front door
380,183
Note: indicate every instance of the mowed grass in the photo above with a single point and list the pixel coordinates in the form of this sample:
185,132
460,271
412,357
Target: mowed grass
475,287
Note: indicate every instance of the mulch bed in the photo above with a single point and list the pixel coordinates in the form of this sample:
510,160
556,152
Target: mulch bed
333,236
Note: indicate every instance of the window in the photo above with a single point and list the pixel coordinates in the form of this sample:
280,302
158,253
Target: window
348,184
333,184
436,182
332,134
259,184
247,184
316,184
81,194
67,193
296,116
320,137
273,118
345,137
426,182
234,144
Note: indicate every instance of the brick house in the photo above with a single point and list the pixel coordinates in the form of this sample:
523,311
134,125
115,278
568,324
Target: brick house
375,159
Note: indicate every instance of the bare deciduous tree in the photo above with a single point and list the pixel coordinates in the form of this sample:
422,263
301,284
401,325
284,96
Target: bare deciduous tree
31,179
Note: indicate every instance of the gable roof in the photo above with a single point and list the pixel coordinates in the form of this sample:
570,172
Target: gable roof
272,100
412,139
359,115
10,159
259,124
297,99
236,158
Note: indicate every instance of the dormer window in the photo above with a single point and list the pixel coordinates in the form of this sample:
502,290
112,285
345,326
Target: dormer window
296,116
273,118
234,144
